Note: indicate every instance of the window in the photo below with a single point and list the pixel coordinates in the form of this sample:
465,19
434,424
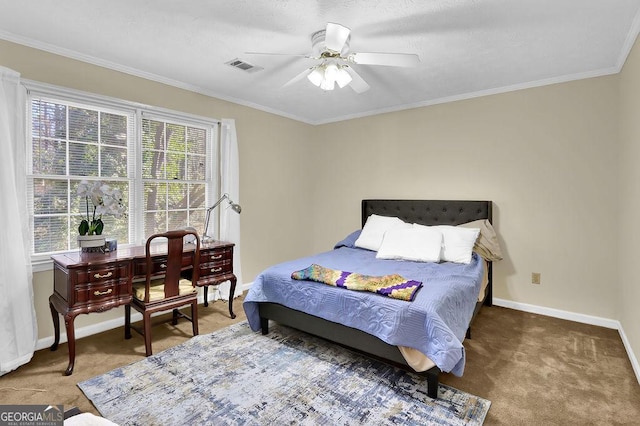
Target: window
161,161
173,174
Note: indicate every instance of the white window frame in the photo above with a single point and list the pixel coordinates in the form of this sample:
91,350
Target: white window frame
42,261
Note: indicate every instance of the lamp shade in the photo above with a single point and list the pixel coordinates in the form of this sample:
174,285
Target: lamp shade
316,76
327,84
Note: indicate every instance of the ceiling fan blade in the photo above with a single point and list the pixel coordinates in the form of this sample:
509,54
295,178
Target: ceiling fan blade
298,77
357,83
336,36
387,59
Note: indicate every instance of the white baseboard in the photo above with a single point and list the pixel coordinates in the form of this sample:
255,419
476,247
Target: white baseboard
556,313
581,318
634,361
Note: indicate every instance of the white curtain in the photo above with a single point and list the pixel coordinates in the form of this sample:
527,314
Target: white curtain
229,184
18,328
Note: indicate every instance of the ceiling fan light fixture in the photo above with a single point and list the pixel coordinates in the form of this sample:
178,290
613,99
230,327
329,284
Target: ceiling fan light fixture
330,76
328,84
326,75
331,70
317,75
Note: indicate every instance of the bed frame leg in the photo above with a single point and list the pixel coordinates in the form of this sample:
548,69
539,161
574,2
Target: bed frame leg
264,325
433,381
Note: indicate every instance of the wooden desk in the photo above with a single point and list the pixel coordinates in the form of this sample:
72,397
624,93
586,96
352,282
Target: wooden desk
96,282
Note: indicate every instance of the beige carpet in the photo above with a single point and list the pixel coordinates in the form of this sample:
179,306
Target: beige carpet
535,370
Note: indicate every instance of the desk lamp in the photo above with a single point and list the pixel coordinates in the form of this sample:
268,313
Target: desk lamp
235,207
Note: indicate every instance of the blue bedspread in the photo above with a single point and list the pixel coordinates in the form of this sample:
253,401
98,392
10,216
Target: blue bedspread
435,322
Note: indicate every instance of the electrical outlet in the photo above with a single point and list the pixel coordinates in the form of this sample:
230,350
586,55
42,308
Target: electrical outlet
535,278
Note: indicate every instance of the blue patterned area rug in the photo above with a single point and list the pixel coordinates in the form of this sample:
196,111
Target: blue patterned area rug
237,377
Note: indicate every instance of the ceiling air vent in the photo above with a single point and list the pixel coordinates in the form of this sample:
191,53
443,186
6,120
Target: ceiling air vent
244,66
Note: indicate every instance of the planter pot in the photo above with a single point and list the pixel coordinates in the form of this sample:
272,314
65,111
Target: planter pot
86,241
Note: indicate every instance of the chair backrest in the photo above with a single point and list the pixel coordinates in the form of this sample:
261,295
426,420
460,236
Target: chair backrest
171,269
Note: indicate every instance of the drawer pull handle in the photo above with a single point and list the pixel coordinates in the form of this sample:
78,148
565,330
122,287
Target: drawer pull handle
102,293
163,265
107,275
214,270
216,257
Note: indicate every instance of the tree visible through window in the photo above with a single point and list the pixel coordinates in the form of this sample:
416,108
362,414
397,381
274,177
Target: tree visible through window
173,173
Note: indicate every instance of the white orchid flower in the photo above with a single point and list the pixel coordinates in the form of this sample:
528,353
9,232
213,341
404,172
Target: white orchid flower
83,189
105,200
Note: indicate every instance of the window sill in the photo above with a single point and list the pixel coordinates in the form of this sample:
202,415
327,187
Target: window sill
41,264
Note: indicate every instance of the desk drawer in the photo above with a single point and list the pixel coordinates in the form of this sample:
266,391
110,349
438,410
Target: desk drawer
218,261
216,255
216,268
158,264
103,292
101,274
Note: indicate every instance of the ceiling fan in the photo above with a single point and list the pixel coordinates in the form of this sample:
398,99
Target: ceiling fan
330,46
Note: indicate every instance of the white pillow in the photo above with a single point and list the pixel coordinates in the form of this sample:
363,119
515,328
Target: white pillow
371,236
487,244
457,243
418,243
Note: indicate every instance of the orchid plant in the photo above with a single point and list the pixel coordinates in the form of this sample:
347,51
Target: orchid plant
105,200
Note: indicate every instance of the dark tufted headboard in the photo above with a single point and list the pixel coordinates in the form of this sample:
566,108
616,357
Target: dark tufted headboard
428,212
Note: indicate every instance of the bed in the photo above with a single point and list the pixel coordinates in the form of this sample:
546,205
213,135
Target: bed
389,338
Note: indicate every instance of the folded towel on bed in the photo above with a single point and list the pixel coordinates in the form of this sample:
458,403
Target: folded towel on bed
394,286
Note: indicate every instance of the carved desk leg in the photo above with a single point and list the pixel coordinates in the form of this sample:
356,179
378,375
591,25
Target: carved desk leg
68,322
232,291
56,326
71,342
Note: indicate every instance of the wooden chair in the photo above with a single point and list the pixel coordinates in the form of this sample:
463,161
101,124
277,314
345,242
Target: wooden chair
164,287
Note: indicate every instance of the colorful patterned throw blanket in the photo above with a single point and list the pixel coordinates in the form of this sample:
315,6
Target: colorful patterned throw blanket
394,286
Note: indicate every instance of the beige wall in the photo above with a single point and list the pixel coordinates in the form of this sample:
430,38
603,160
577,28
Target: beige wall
629,193
548,158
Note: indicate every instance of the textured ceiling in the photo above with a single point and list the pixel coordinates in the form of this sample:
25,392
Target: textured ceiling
467,47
